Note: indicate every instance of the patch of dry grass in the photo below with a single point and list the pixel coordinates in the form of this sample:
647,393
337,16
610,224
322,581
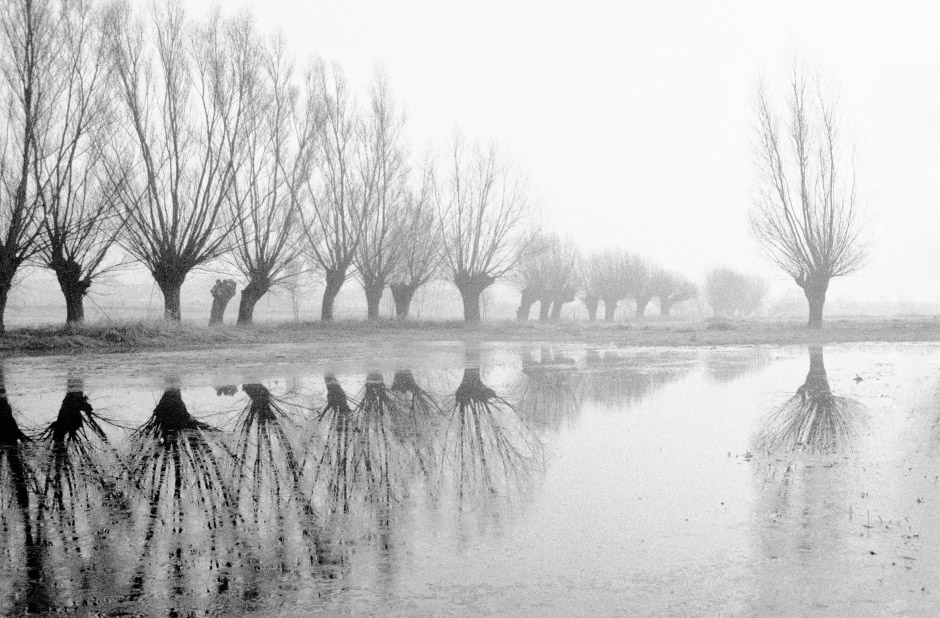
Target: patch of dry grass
158,334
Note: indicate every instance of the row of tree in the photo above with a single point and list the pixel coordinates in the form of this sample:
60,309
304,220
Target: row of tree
554,272
183,143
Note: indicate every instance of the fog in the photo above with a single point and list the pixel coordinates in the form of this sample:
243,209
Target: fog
634,125
634,121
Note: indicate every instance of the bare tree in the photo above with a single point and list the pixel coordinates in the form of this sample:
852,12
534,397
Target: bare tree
281,136
185,92
733,294
377,255
78,201
417,237
671,288
613,275
485,218
530,276
338,190
806,216
28,43
548,274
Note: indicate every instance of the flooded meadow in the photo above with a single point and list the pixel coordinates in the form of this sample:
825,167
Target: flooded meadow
455,479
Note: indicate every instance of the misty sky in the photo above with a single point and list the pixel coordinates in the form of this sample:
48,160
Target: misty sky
633,121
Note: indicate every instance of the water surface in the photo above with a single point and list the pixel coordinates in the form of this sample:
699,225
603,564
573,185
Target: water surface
453,479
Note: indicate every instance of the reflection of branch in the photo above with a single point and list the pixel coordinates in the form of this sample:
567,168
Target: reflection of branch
491,449
615,380
72,456
552,391
729,365
416,416
813,419
267,462
335,461
171,453
361,452
175,466
16,474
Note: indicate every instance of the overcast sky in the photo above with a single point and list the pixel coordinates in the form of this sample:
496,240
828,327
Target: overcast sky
634,121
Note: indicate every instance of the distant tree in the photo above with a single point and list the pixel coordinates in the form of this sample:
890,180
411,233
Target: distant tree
647,288
733,294
377,255
614,275
295,284
806,216
485,218
548,274
417,238
672,288
338,190
185,91
281,135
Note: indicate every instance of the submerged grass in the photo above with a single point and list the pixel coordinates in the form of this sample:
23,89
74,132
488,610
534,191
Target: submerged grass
159,334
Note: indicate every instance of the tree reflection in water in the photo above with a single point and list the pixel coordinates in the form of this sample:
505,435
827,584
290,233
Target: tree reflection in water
614,380
417,418
177,464
191,520
552,390
269,478
76,445
363,458
814,419
487,446
725,366
17,484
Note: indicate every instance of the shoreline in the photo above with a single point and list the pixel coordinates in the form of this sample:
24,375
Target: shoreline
652,332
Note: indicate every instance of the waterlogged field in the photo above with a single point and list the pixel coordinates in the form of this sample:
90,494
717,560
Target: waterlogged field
473,479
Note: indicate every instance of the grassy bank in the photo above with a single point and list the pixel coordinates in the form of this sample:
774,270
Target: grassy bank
162,335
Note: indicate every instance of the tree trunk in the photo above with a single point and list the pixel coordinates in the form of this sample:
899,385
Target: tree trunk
815,291
402,293
334,283
610,309
471,304
251,294
590,303
471,287
817,379
74,288
74,307
374,293
222,292
557,306
171,299
525,305
816,300
545,305
641,304
665,306
4,293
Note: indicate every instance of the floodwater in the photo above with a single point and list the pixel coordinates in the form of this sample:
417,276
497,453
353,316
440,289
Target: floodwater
472,480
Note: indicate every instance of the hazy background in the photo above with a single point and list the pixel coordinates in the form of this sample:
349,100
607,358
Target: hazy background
633,120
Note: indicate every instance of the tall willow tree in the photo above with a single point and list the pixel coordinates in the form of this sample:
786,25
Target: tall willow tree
378,254
486,220
281,138
78,200
185,90
806,217
28,47
339,189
